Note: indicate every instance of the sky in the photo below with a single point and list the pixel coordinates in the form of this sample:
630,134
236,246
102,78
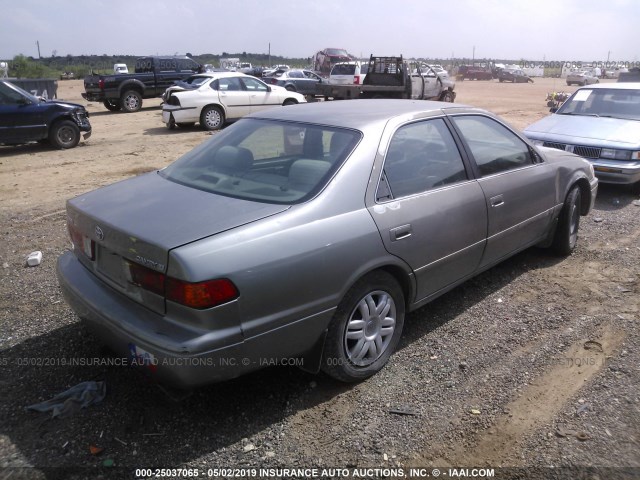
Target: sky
529,30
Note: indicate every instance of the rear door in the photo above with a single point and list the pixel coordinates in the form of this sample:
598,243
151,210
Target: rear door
519,187
428,209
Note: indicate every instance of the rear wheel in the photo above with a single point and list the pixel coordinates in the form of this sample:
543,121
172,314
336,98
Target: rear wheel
131,101
290,88
566,236
112,105
64,134
365,328
212,118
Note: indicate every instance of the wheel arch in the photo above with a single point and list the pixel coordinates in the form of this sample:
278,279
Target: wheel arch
135,85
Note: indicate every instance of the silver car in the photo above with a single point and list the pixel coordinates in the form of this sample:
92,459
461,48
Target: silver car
600,123
303,235
582,77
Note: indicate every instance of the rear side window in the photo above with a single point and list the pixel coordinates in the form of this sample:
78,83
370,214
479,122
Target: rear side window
343,70
494,147
421,156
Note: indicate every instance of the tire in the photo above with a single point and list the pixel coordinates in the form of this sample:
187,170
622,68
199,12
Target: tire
501,80
447,97
290,88
584,84
131,101
566,235
64,134
356,329
112,105
186,124
568,84
212,118
289,101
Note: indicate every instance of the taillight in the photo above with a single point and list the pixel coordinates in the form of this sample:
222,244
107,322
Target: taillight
101,84
201,295
195,295
147,278
356,79
82,243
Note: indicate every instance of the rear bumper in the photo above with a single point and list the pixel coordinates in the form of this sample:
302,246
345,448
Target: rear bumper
144,339
94,96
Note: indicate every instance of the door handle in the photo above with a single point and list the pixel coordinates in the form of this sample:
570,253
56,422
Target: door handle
398,233
496,201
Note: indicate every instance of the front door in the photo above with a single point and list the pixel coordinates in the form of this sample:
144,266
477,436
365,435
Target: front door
519,187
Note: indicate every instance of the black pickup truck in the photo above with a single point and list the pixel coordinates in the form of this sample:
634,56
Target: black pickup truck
151,78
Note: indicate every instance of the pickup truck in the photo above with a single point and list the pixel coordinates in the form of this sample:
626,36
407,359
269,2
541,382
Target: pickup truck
153,75
393,77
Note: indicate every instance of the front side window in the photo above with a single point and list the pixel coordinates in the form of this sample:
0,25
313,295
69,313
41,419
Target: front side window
494,147
421,156
265,161
254,85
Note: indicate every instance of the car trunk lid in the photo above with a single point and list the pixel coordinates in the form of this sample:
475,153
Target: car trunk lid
140,220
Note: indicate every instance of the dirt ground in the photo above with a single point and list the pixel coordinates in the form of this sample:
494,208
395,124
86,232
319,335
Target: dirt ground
531,364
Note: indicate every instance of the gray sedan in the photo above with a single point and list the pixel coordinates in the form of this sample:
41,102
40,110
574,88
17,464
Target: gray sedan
303,235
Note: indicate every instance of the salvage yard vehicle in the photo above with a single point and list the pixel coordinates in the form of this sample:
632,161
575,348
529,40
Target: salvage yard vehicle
582,77
474,72
296,80
212,99
600,123
393,77
300,233
514,75
26,118
125,91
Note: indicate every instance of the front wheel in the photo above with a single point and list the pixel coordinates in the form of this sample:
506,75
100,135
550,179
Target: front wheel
131,101
212,118
289,101
566,236
365,328
65,134
447,97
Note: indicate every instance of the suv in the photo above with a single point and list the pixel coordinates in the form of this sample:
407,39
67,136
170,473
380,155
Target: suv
348,73
25,118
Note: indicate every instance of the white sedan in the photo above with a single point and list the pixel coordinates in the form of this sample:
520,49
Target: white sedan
212,99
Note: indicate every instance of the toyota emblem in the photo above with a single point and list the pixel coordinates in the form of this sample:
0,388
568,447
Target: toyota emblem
99,233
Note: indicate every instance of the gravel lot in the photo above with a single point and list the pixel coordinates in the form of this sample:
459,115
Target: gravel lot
531,364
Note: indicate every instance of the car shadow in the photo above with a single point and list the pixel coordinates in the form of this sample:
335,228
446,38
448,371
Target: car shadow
137,419
614,197
31,148
100,113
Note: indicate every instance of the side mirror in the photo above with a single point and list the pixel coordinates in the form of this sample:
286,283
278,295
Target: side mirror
553,109
268,88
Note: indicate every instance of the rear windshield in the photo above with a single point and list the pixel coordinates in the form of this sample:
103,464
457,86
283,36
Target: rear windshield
344,70
265,160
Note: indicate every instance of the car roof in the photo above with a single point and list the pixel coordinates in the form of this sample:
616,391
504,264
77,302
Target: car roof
617,86
220,74
357,113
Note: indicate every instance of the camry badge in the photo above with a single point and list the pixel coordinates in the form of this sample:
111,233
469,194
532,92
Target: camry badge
99,233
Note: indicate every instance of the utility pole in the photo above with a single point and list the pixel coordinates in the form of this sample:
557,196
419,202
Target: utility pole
38,44
473,60
269,53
